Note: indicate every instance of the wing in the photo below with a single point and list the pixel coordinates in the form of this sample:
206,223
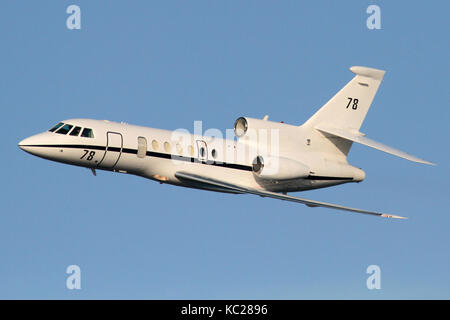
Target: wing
198,179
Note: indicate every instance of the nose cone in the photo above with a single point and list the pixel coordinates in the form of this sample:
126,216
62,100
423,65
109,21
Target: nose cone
33,143
23,144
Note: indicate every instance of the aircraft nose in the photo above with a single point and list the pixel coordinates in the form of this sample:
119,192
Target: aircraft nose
29,144
22,144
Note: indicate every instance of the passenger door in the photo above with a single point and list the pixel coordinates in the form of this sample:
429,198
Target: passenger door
113,151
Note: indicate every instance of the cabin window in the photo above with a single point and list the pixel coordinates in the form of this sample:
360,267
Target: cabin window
64,129
56,127
75,131
191,150
202,152
142,147
214,153
87,133
155,145
167,146
179,149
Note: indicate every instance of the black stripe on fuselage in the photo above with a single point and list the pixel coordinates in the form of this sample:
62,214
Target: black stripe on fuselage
327,178
175,157
149,154
71,146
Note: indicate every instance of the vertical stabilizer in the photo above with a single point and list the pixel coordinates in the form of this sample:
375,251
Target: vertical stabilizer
348,108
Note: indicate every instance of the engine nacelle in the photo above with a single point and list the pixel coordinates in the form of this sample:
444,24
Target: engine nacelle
244,125
279,168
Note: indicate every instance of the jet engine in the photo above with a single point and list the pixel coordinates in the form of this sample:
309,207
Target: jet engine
244,126
278,168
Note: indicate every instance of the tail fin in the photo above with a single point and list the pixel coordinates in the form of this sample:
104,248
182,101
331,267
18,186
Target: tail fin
348,108
340,118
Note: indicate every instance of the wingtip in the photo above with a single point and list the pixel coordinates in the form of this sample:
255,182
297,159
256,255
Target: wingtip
384,215
426,162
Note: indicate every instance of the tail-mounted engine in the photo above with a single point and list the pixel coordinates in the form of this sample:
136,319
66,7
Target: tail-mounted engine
244,127
278,168
265,139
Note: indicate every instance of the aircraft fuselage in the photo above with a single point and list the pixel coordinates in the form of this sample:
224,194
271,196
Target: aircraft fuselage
158,154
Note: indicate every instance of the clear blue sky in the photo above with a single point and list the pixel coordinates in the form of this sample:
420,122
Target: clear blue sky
165,64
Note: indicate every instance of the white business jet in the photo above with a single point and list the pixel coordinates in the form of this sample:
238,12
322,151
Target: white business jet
265,158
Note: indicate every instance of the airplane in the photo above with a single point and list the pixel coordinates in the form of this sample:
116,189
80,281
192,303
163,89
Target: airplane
265,158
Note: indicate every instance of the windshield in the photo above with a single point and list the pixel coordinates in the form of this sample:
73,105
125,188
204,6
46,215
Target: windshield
65,128
56,127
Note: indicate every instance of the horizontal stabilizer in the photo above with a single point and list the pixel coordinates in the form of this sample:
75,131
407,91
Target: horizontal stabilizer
359,137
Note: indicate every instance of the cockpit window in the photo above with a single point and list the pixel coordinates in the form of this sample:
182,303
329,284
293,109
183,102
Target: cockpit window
88,133
56,127
64,129
75,131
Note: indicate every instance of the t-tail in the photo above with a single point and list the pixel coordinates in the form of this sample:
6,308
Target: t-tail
340,119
